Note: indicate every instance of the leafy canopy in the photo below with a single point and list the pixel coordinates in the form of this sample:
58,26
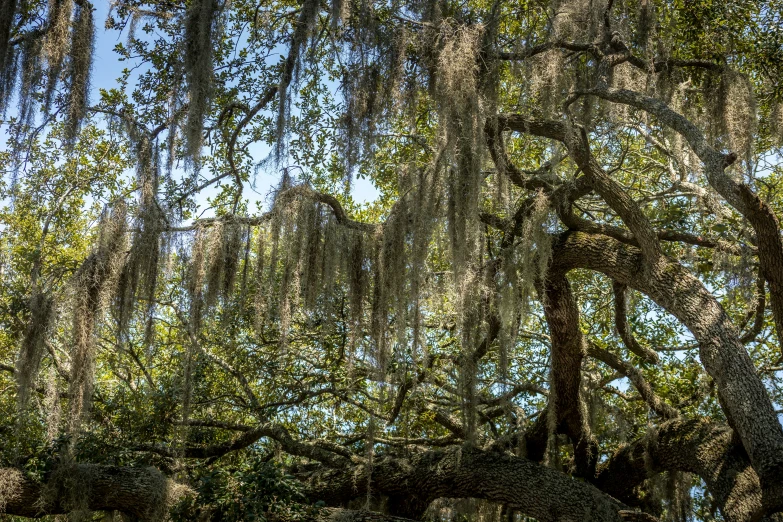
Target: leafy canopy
157,309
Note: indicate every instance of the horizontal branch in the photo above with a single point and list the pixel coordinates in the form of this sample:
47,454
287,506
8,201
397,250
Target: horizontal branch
465,472
671,63
142,492
709,450
330,514
579,224
744,398
535,50
248,438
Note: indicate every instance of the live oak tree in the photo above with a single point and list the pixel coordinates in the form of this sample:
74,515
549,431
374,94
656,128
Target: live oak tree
565,303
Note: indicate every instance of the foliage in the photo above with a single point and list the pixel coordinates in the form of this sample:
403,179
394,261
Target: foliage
157,305
255,490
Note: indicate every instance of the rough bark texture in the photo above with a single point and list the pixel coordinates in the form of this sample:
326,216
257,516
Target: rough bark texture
568,350
461,472
741,463
141,492
724,357
739,195
747,404
251,435
710,450
348,515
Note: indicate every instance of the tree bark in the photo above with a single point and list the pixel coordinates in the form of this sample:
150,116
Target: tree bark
746,402
464,472
709,450
141,492
724,357
568,350
739,195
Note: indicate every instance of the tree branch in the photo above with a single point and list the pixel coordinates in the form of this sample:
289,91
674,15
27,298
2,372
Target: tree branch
612,192
636,378
742,393
465,472
142,492
739,195
624,329
246,439
710,450
568,350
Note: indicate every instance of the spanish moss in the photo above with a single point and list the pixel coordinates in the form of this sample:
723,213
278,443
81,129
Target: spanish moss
303,29
737,113
92,287
140,272
42,315
200,26
51,404
82,44
55,44
197,270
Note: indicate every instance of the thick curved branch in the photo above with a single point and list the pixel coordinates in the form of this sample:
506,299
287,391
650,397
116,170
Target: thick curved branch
568,350
542,48
448,421
577,143
274,431
504,165
742,393
339,211
465,472
710,450
142,492
580,224
655,65
214,424
660,65
493,329
406,387
739,195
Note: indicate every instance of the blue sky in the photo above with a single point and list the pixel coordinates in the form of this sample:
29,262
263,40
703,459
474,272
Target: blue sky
107,68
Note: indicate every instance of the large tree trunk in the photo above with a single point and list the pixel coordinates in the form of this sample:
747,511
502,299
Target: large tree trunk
141,492
568,350
739,195
646,269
